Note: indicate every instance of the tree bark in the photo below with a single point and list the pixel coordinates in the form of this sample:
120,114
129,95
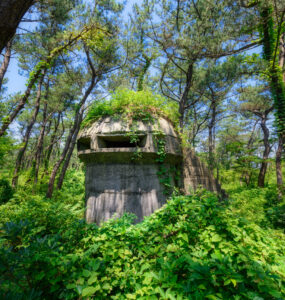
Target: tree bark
282,55
184,96
211,139
69,153
5,63
278,161
281,138
11,13
61,159
22,150
40,143
52,142
76,124
266,152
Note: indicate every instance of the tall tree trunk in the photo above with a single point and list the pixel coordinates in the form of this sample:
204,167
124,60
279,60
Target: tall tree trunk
266,152
70,151
52,142
5,63
277,82
77,122
246,174
11,13
142,74
22,150
278,161
40,143
211,138
281,138
61,159
282,55
184,96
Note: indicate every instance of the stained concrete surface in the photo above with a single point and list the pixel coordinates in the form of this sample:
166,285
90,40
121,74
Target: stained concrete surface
115,181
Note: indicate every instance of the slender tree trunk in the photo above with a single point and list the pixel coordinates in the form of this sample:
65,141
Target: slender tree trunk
52,142
40,143
184,96
22,150
69,153
281,138
61,159
5,63
211,139
75,125
143,72
246,174
278,162
282,55
266,152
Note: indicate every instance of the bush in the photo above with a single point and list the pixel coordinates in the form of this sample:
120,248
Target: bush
6,191
192,248
140,105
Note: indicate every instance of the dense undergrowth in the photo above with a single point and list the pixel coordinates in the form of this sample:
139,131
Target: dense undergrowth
194,247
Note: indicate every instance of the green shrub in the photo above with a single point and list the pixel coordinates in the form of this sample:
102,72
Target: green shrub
6,191
192,248
140,105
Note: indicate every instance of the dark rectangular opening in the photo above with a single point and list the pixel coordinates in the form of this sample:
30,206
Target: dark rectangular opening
120,141
83,144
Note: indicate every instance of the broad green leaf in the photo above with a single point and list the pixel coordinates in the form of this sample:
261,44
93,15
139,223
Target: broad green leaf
90,290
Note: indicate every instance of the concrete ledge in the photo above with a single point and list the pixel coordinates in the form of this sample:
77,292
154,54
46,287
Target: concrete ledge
125,155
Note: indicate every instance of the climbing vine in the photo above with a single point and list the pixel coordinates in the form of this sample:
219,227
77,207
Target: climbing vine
165,174
270,41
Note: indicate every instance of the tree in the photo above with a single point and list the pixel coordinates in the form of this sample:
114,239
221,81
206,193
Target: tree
257,101
188,33
11,14
5,63
272,31
101,59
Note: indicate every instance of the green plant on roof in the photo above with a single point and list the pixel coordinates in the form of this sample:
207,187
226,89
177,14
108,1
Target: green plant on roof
132,105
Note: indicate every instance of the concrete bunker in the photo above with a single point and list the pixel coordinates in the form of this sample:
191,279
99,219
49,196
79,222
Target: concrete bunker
124,172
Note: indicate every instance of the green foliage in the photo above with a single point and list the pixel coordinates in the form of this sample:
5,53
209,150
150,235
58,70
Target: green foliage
6,191
6,145
270,31
245,161
192,248
141,105
260,206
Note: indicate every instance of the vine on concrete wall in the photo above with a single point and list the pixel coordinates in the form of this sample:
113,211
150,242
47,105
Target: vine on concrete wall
165,174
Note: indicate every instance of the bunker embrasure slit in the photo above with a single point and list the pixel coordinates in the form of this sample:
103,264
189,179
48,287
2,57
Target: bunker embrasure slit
84,143
121,141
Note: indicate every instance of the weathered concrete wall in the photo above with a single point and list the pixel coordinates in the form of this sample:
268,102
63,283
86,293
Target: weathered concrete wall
115,182
118,188
196,174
